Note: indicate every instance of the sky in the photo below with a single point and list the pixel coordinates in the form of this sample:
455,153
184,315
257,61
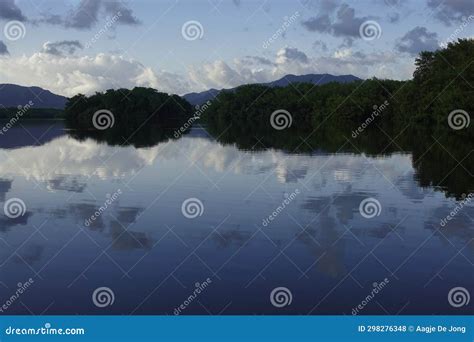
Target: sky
182,46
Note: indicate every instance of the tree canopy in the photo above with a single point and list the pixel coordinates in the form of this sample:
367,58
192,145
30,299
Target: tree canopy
443,81
141,116
130,108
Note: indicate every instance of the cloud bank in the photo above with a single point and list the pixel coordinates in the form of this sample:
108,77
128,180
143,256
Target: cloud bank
57,68
70,75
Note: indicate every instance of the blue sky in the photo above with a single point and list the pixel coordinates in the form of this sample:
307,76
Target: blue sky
67,47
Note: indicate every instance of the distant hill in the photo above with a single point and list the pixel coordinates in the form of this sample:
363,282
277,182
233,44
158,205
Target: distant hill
200,98
312,78
318,79
12,95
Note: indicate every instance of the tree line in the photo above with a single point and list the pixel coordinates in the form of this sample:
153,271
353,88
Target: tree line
442,82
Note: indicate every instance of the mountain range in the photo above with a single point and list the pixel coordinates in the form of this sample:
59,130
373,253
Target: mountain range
12,95
317,79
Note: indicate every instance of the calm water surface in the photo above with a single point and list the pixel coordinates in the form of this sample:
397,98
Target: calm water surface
320,247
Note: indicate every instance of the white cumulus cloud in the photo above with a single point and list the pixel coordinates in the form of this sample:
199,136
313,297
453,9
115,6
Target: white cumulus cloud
255,69
70,75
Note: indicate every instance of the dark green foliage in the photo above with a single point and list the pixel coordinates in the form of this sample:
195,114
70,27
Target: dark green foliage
131,108
309,105
142,116
443,82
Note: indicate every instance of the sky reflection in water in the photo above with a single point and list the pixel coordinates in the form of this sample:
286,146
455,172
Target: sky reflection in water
143,248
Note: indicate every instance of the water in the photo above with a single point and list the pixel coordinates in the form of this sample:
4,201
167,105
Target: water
151,256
